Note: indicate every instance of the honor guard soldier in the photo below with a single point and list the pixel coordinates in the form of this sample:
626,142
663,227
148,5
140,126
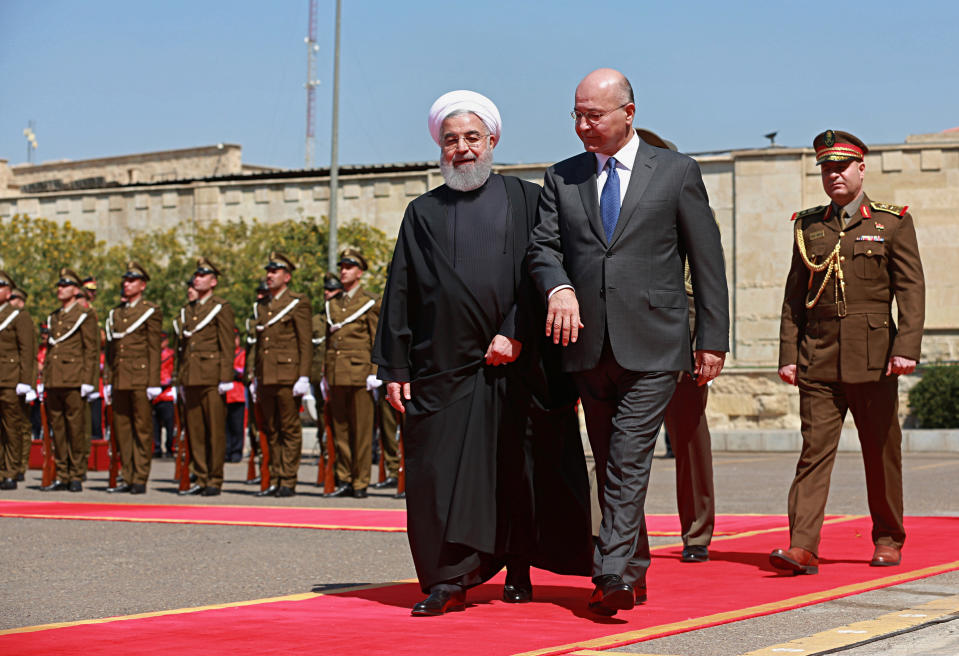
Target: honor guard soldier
18,353
206,373
350,375
18,299
282,372
133,361
70,374
838,342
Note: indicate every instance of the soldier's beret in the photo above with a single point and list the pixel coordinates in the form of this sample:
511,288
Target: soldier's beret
6,280
204,266
68,277
352,257
280,260
654,139
838,146
135,271
331,283
16,292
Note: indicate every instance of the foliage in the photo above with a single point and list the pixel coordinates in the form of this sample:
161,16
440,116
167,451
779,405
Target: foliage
33,250
935,399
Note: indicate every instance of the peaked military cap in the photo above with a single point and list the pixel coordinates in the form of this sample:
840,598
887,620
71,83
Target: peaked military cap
280,260
838,146
204,266
135,271
16,292
68,277
654,139
331,283
353,257
90,283
6,280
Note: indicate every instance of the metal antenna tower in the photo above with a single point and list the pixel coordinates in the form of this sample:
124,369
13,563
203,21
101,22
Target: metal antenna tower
311,49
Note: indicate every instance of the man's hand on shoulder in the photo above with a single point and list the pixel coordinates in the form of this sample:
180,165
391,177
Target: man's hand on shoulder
562,317
708,365
899,365
788,374
502,350
396,393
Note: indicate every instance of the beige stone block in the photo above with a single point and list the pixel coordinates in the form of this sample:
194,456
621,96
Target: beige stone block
763,354
931,159
891,160
414,187
206,195
6,210
351,190
758,330
321,192
89,204
233,197
732,404
63,205
772,405
382,189
291,194
169,200
261,195
141,201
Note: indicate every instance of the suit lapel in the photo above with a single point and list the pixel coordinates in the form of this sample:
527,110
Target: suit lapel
643,167
590,197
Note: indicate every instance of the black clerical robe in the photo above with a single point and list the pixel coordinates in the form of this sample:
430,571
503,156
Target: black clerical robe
494,462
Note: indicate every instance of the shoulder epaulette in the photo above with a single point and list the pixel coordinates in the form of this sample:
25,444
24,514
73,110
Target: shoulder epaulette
811,210
898,210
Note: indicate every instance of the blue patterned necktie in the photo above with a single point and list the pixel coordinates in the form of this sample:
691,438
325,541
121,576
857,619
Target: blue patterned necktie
609,200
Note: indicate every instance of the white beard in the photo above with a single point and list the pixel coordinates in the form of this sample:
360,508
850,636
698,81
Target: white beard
468,177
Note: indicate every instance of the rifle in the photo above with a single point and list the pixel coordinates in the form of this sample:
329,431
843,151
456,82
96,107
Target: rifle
264,448
325,474
401,472
114,444
183,449
49,466
379,435
251,465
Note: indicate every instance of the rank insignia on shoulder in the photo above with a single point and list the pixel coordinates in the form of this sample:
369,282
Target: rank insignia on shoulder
811,210
898,210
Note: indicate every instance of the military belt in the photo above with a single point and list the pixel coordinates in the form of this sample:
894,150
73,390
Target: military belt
863,307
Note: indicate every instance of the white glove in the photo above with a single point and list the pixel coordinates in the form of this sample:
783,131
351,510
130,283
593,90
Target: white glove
108,394
253,391
93,396
153,392
309,402
39,389
22,388
86,389
372,382
301,386
174,393
30,396
324,389
223,388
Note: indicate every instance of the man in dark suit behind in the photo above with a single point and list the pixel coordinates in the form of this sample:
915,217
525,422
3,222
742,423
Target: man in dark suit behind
621,270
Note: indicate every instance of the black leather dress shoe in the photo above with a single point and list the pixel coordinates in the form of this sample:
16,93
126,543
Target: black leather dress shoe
210,491
21,477
382,485
253,481
8,484
138,488
360,493
440,602
612,594
517,594
193,489
284,491
695,554
193,478
400,495
122,487
55,486
268,492
76,486
341,491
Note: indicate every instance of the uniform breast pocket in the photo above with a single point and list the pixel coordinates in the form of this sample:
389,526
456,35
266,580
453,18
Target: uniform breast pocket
868,258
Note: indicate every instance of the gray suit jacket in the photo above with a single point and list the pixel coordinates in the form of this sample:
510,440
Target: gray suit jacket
632,287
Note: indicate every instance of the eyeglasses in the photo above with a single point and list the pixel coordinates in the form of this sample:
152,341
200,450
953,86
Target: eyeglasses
472,139
593,117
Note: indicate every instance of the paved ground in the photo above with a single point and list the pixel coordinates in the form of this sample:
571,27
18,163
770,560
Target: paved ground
58,570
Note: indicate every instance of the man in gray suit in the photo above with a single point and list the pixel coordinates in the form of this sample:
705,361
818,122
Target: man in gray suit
614,224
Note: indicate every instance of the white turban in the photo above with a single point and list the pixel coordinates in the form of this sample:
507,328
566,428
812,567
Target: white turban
463,100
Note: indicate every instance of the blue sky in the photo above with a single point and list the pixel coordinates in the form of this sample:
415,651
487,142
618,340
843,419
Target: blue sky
105,77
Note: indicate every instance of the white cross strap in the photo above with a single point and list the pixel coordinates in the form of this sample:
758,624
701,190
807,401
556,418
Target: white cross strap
10,318
279,315
136,324
54,342
204,322
353,317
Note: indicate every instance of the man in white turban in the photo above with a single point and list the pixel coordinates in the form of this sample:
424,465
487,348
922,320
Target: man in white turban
494,463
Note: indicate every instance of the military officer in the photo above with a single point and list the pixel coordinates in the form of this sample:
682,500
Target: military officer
18,299
70,374
838,342
133,359
350,375
206,373
18,355
282,370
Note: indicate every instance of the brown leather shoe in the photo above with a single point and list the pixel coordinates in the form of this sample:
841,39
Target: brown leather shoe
885,556
796,560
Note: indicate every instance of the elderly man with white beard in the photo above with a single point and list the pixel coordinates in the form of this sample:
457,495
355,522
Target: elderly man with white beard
494,463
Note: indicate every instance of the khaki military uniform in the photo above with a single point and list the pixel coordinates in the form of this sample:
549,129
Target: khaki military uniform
390,451
348,363
18,358
133,362
842,345
283,354
205,349
73,359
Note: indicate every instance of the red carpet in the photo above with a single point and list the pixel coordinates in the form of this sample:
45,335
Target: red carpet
738,583
343,519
